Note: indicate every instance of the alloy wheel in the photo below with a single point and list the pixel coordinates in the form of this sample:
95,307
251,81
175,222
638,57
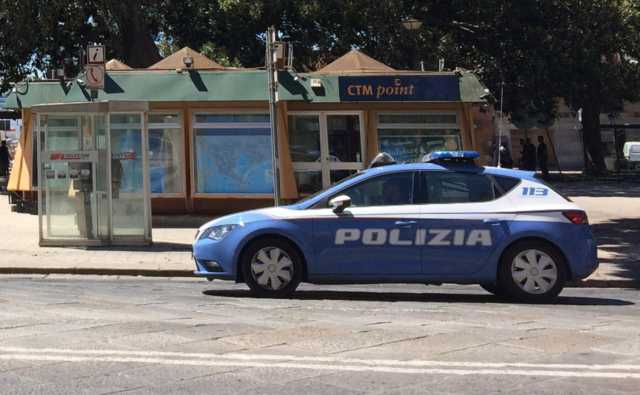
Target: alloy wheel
272,268
534,271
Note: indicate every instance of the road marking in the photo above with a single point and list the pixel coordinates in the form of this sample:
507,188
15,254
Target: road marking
323,363
314,366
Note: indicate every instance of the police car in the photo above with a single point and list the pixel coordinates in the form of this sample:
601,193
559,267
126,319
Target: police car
444,220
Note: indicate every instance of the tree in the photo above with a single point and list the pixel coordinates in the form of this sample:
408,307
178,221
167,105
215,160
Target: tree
583,51
37,36
595,67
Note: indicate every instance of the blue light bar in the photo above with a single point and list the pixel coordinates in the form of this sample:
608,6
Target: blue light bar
437,156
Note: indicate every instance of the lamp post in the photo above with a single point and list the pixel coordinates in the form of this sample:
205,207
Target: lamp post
271,56
501,124
412,24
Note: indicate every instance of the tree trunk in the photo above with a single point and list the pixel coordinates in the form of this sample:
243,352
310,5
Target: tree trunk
592,138
136,41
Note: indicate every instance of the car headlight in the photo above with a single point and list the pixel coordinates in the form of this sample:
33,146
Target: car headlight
218,232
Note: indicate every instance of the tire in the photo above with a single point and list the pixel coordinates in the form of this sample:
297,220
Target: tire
272,268
533,283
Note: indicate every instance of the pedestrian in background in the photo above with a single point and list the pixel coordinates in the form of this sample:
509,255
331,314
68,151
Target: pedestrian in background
542,156
505,157
528,161
500,152
5,159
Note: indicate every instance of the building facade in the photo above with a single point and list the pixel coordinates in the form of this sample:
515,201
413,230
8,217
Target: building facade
207,128
564,137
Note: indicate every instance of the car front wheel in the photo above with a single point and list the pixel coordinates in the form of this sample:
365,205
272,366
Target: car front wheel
532,271
272,268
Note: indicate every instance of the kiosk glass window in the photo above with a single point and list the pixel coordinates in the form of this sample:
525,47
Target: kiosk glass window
304,138
409,136
71,200
233,154
64,202
166,153
63,133
325,148
127,187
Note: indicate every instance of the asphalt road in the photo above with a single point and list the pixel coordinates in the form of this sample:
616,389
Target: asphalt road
145,335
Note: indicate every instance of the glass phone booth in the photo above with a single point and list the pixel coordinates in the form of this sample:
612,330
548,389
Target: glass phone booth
93,178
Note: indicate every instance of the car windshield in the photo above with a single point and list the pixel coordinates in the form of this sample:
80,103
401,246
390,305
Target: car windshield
635,149
307,198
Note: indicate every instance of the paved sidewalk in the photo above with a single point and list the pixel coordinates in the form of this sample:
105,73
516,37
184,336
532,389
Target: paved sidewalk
613,209
170,255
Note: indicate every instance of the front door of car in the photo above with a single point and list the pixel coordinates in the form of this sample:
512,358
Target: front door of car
461,225
373,237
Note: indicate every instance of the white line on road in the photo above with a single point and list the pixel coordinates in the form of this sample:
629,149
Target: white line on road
322,363
332,367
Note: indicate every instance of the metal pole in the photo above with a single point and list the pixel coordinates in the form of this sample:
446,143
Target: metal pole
272,83
500,126
581,134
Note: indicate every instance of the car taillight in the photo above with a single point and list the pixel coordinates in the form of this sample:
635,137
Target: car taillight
576,216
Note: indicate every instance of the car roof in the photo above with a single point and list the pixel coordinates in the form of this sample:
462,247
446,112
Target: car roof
455,167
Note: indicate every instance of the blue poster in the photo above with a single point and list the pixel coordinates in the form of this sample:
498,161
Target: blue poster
234,161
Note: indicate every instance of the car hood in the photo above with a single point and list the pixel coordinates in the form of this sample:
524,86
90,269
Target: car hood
246,217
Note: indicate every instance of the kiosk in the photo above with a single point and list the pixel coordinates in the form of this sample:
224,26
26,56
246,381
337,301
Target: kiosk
93,174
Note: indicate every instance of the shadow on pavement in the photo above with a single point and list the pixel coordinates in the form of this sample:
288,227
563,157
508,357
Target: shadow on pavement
180,221
155,247
620,240
420,297
597,188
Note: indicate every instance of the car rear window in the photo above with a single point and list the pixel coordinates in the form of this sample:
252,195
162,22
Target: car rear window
438,187
505,184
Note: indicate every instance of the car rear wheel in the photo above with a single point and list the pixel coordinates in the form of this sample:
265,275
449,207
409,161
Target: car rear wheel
272,268
532,271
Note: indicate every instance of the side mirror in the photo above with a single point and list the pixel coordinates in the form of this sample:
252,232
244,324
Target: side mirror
339,203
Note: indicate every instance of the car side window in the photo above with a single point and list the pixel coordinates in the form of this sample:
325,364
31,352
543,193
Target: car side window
386,190
439,187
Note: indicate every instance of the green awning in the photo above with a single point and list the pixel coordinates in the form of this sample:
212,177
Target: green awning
235,85
158,86
28,94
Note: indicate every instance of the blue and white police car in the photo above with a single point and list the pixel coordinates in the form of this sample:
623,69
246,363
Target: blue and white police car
444,220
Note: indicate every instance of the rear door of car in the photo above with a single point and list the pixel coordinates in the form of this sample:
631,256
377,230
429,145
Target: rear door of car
463,221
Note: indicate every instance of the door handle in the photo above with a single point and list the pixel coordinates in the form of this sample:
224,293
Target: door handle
405,223
491,221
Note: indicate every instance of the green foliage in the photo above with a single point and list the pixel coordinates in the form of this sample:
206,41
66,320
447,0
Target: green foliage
582,51
42,35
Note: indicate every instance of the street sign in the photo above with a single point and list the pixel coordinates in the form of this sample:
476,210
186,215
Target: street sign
95,54
95,76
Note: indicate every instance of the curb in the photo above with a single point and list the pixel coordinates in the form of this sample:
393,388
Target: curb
98,271
595,283
617,283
